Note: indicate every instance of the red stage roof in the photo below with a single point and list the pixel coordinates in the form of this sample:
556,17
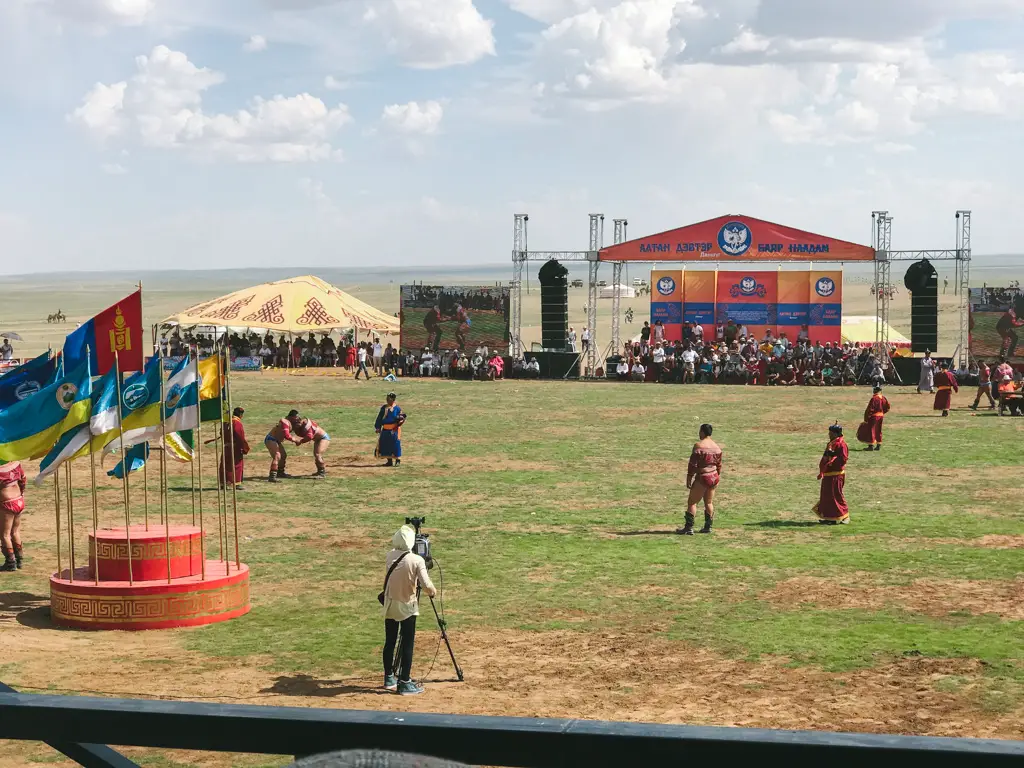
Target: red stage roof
740,239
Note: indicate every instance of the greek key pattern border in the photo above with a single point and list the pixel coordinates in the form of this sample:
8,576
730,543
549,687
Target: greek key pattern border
138,609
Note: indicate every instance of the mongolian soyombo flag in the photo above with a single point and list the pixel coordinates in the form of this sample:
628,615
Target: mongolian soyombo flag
117,330
27,379
30,427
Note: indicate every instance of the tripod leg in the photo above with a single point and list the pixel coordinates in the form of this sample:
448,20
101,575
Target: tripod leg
448,645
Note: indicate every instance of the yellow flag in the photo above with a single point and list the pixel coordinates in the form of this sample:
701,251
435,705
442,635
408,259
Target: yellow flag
209,378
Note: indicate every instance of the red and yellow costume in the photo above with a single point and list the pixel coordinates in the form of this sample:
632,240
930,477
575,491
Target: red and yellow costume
874,415
11,475
705,467
831,504
945,386
233,461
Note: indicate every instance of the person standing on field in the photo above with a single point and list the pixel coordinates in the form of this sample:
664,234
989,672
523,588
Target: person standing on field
406,574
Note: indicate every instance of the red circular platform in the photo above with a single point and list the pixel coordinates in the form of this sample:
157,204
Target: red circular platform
154,604
148,552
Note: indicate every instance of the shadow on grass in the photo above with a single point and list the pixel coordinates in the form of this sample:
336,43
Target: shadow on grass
23,606
305,685
645,533
784,524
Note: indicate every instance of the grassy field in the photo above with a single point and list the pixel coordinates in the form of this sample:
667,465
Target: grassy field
551,508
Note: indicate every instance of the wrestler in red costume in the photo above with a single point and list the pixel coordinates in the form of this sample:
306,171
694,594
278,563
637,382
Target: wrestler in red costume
984,386
945,386
831,508
12,504
232,465
462,318
874,415
702,477
310,431
281,433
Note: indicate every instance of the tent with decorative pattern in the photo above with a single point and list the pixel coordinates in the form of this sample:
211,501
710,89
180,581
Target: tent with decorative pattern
296,305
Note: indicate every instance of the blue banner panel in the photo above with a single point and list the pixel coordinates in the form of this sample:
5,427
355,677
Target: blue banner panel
670,313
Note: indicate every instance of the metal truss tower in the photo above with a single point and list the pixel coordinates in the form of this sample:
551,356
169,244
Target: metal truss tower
882,229
520,252
963,255
619,236
596,244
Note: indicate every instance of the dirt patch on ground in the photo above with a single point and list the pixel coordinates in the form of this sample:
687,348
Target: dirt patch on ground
499,464
542,575
995,541
930,597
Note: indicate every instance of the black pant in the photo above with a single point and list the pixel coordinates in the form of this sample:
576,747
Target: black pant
391,638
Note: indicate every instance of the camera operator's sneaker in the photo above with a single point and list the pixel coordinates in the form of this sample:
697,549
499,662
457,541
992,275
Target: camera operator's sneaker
409,688
390,683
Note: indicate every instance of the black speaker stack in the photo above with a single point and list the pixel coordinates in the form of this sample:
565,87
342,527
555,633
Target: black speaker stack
554,305
923,283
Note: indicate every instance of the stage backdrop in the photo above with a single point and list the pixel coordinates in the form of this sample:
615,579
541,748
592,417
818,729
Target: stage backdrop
737,239
779,301
997,323
667,302
454,317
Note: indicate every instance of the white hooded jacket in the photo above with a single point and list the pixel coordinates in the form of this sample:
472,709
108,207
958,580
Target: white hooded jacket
400,595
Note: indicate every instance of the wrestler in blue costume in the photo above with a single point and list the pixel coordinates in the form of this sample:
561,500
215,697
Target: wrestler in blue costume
389,430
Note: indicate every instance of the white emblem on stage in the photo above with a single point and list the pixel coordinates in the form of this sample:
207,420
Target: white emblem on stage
135,396
825,287
66,394
748,286
735,238
666,286
27,389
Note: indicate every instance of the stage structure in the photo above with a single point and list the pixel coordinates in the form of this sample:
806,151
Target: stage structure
739,240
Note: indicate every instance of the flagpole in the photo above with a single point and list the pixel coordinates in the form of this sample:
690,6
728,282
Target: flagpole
124,468
199,458
71,521
222,501
234,480
145,486
56,506
95,501
165,514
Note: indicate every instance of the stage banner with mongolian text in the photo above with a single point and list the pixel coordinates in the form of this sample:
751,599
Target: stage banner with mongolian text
826,300
740,239
794,305
699,300
750,299
667,302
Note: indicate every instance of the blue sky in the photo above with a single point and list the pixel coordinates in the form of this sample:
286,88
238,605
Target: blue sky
221,133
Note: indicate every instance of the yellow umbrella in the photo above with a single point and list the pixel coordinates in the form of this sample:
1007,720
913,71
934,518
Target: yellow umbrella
295,305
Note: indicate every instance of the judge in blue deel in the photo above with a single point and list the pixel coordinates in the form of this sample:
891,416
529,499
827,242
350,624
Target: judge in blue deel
389,430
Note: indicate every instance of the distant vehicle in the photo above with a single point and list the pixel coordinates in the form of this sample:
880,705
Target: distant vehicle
602,283
638,282
576,284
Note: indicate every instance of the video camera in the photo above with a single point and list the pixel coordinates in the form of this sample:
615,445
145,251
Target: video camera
421,546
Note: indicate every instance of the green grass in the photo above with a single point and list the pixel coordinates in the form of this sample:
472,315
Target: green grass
530,492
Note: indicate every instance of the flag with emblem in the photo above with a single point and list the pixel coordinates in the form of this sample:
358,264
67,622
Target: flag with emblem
140,409
135,457
180,406
117,330
30,427
28,378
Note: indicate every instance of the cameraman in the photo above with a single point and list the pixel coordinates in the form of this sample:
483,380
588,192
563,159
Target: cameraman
401,607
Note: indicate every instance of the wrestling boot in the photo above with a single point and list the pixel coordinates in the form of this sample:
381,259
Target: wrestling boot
391,463
18,557
687,530
272,478
708,519
10,564
281,473
321,472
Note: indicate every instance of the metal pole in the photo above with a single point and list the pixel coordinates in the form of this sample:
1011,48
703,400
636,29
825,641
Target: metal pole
124,467
56,506
95,514
199,460
71,521
234,480
165,515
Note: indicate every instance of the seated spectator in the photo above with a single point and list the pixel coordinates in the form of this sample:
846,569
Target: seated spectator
788,378
622,370
637,372
427,365
533,368
496,367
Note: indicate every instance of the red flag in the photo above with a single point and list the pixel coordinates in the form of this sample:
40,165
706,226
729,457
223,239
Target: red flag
119,329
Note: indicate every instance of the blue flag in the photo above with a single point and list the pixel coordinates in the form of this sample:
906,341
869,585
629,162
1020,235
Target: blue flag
27,379
32,426
136,459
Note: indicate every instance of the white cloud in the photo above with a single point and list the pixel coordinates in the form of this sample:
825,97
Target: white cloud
101,13
161,106
331,83
113,169
431,34
413,118
255,44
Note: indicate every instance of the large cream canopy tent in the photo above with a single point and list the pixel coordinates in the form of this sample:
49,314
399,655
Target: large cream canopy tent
295,305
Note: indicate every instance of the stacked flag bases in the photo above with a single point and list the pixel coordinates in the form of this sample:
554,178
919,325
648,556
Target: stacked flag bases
137,578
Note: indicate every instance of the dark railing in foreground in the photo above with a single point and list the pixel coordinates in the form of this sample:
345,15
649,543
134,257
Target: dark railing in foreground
76,722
